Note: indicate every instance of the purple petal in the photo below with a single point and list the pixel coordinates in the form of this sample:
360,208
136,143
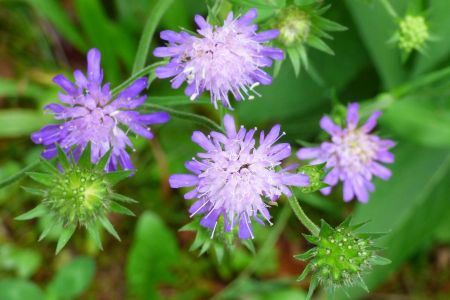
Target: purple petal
273,53
65,84
245,228
94,71
371,122
348,191
210,220
352,115
266,35
230,127
308,153
134,89
295,179
154,118
248,17
380,171
329,126
201,22
182,180
200,139
171,36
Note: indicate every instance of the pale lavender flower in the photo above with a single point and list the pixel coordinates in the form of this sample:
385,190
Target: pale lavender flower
353,155
221,60
234,177
90,114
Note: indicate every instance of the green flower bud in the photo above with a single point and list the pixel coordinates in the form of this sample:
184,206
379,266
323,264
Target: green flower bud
294,25
412,33
341,256
79,195
316,174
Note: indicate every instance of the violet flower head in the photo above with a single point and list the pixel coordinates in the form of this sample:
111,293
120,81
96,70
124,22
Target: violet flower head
353,155
90,114
221,60
234,177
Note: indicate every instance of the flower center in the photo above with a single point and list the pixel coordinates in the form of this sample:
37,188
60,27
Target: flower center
294,25
355,150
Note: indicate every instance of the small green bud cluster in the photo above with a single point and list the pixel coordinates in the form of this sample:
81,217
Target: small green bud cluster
316,174
294,25
78,196
412,34
341,256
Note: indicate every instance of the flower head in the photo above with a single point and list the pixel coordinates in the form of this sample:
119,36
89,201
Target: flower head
77,194
90,114
221,60
234,177
412,33
341,256
352,156
294,24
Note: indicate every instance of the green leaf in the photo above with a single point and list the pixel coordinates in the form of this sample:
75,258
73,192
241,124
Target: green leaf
375,26
153,20
24,262
18,289
152,255
109,227
36,212
430,125
55,13
73,279
18,175
65,236
25,122
117,208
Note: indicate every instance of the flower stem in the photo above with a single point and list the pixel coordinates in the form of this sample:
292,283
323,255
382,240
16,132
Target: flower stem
18,175
145,71
303,218
390,10
186,115
149,30
259,258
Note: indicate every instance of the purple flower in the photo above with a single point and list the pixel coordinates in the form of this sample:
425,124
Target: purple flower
353,155
234,178
221,59
89,114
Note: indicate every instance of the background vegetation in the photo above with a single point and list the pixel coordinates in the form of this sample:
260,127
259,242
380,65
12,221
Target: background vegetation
40,38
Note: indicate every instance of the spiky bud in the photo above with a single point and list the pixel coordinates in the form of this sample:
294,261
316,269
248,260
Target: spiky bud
294,25
79,194
412,33
341,256
316,175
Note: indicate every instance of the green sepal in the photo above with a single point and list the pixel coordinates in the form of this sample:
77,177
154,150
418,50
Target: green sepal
117,208
65,236
42,178
85,158
306,255
312,287
109,227
33,191
317,43
249,245
46,231
378,260
205,247
122,198
305,272
101,164
325,229
36,212
311,239
62,158
47,166
115,177
294,56
328,25
219,250
94,233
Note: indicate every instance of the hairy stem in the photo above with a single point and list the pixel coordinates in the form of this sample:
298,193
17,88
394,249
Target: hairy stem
302,217
186,115
19,174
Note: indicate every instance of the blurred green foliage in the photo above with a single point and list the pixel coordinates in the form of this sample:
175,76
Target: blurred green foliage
41,38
